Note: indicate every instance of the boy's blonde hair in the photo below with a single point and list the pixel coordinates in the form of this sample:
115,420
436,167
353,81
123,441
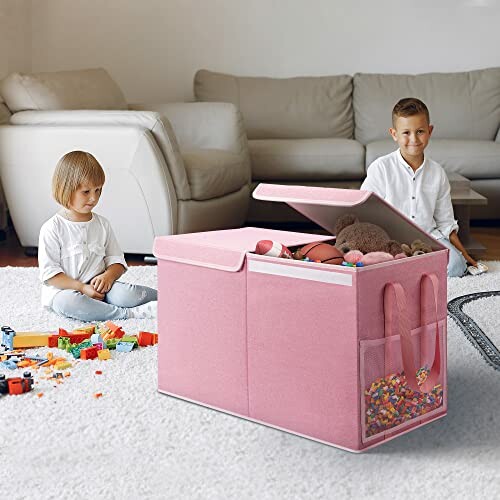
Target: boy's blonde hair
72,170
409,106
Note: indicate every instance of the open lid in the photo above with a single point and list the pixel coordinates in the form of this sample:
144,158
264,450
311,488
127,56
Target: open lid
325,205
226,249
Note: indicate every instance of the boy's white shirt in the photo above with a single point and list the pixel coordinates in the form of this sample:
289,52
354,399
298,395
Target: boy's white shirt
423,196
81,250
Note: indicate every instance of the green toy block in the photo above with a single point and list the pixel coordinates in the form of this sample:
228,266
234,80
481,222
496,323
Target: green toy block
63,343
130,338
111,343
75,349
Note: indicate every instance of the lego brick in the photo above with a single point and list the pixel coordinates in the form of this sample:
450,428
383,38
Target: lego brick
130,338
31,339
103,354
88,353
147,338
118,332
89,329
124,346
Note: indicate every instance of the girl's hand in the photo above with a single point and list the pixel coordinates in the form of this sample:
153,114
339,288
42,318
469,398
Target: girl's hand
91,292
102,283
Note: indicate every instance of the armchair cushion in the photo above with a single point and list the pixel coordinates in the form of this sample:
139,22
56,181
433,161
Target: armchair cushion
82,89
213,173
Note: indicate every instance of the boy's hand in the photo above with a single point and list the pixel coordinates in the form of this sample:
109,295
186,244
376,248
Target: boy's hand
102,283
91,292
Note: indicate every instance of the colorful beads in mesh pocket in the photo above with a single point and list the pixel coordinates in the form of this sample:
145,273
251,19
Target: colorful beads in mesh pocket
389,401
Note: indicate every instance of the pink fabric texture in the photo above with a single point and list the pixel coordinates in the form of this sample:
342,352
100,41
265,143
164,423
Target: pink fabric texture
297,344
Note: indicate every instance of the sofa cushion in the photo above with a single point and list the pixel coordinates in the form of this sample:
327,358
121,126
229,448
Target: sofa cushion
81,89
472,159
461,105
306,159
212,173
284,108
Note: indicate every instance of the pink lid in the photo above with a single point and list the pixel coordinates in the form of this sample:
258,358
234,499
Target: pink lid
225,249
325,205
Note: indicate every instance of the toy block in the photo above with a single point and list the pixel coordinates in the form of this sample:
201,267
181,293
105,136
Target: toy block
88,353
62,365
76,349
124,346
103,354
130,338
7,339
89,329
74,338
97,339
15,385
118,333
63,343
31,339
147,338
18,385
111,343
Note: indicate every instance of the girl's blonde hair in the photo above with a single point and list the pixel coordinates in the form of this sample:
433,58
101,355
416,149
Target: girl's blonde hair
72,170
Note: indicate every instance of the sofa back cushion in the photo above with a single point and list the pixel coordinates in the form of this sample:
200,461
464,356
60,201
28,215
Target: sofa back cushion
461,105
81,89
284,108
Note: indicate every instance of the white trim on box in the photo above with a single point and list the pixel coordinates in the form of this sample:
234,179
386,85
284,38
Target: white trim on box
302,273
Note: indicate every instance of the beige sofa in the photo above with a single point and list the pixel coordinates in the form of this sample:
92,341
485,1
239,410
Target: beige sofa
327,130
170,168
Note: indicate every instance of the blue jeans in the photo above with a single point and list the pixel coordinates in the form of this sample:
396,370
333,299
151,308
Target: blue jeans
115,305
457,265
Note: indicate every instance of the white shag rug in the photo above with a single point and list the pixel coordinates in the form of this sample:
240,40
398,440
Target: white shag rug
134,443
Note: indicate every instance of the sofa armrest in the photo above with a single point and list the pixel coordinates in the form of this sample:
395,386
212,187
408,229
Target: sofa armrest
138,193
155,123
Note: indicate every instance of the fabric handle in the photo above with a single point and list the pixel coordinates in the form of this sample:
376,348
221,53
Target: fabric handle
396,291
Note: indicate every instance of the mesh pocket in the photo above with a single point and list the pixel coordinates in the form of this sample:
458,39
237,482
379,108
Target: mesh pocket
386,400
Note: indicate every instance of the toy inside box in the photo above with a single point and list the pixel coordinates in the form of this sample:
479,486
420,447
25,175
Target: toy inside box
349,356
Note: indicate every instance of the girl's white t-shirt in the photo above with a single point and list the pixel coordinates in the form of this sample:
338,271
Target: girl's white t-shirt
81,250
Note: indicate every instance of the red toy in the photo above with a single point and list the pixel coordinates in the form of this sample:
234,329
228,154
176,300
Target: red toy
88,353
273,249
147,338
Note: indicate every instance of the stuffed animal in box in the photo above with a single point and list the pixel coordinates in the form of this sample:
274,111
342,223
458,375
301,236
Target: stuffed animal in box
363,236
418,247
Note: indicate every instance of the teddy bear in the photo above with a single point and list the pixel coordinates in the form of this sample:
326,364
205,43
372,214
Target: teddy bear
364,236
418,247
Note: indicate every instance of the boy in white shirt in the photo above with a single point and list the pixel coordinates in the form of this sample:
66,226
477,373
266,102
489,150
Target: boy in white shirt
418,186
79,257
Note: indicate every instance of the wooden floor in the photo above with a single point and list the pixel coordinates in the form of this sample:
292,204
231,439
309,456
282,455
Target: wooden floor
12,254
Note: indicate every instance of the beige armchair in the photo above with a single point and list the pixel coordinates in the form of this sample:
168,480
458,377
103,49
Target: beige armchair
170,168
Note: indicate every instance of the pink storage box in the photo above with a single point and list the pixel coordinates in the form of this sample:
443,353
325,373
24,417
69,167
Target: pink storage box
318,350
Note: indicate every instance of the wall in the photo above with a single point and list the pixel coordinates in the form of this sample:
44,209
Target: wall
153,47
15,36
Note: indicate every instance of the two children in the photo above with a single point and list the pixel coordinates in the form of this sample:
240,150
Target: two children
79,257
418,186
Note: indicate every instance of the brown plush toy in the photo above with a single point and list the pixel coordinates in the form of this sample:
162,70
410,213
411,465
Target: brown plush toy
418,247
364,236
